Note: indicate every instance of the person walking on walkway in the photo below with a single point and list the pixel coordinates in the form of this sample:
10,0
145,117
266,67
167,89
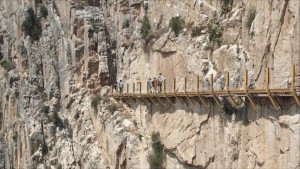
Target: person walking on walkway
116,86
121,86
154,84
160,81
150,85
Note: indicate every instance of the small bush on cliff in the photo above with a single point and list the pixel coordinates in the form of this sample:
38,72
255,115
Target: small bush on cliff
176,24
44,148
8,65
250,18
196,31
146,27
44,11
113,107
45,109
59,166
96,100
57,120
126,23
215,31
226,6
156,158
32,26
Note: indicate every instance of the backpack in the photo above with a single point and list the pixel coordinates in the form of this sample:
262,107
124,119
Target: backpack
160,79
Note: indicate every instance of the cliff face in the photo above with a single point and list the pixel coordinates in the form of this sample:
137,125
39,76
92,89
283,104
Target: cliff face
53,116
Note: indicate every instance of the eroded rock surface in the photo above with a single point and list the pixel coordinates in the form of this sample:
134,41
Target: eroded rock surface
54,108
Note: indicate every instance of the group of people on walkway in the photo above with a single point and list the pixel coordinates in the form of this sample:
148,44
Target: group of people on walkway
154,86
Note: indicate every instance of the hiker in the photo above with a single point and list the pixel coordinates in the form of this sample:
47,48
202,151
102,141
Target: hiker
121,86
150,85
154,84
160,81
116,86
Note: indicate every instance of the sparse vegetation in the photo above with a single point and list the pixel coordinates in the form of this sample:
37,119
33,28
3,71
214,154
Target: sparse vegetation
225,9
215,31
226,6
126,23
44,11
44,148
96,100
8,65
45,109
146,27
250,18
40,89
156,159
32,26
59,166
113,107
196,31
57,120
176,24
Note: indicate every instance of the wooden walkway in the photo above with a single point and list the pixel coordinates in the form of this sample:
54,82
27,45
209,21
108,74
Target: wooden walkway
202,97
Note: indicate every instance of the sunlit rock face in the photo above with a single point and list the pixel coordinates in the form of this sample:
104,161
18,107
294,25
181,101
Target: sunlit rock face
55,111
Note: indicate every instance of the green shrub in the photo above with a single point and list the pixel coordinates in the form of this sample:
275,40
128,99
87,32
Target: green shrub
250,18
8,65
225,9
156,158
32,26
113,107
215,31
57,120
44,148
40,89
45,109
226,6
196,31
59,166
96,100
176,24
146,27
126,23
44,11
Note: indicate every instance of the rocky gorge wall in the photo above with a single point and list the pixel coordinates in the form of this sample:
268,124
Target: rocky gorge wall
48,118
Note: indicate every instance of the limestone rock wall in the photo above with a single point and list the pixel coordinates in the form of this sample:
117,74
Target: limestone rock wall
51,113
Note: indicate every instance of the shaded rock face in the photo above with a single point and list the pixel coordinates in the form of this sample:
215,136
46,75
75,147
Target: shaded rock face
50,115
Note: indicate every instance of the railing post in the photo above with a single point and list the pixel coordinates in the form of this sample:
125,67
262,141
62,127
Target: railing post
165,87
174,89
245,81
140,88
133,88
227,82
267,79
292,87
127,88
184,84
211,83
147,87
197,85
267,87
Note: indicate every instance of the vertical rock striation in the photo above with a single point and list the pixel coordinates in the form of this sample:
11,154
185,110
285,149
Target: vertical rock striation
54,105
